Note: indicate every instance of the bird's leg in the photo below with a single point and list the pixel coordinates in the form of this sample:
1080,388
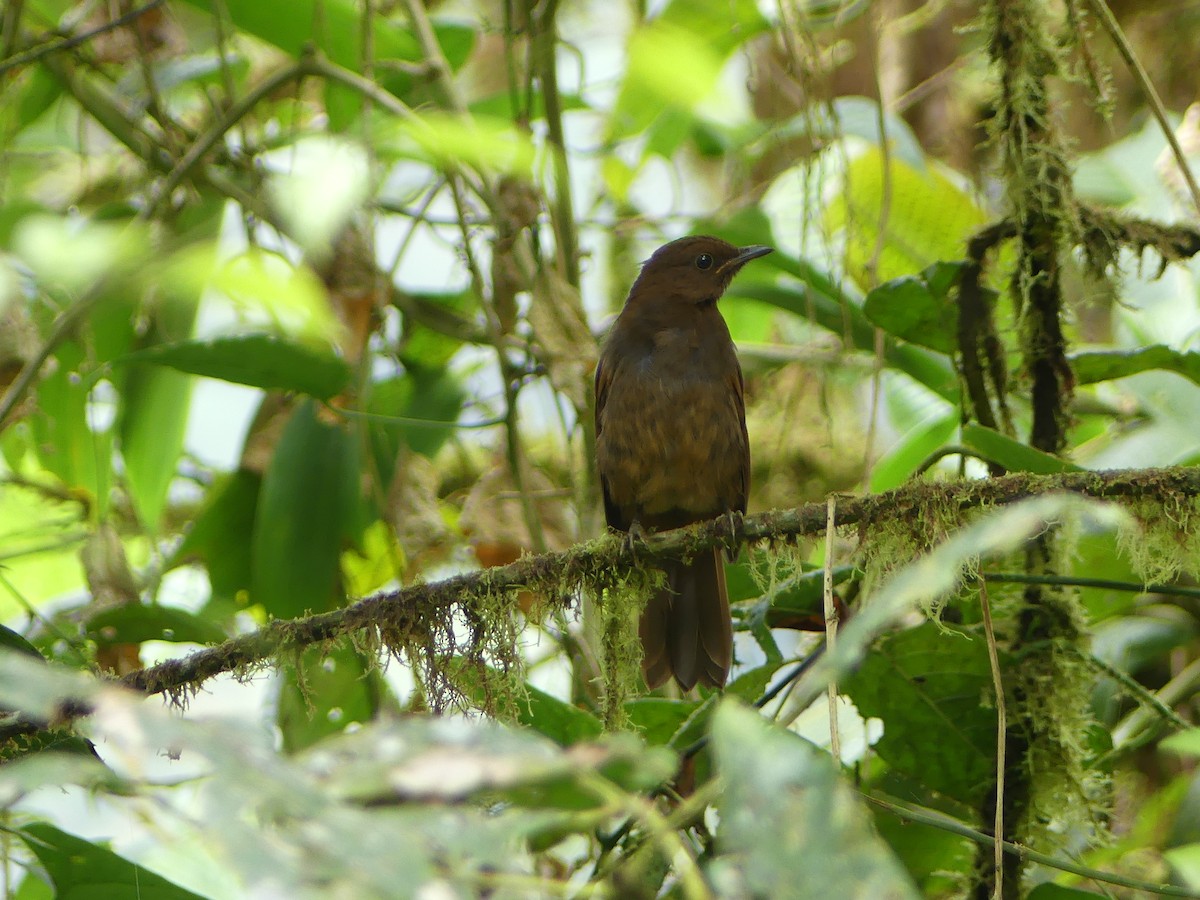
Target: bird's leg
634,538
733,524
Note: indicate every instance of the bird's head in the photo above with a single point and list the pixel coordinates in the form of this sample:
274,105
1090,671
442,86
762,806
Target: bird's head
691,270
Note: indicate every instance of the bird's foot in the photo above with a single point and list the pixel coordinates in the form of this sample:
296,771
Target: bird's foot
635,537
733,521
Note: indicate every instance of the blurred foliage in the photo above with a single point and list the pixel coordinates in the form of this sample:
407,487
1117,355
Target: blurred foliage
300,300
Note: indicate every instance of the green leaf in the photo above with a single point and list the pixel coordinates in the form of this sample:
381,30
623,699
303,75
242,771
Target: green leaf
1185,743
154,414
219,535
37,94
1013,455
81,870
1186,861
334,27
14,641
74,255
790,827
308,506
927,686
913,448
327,691
924,217
65,443
562,722
937,573
1104,365
674,65
658,719
819,299
919,308
1050,891
258,360
938,860
425,405
135,623
445,139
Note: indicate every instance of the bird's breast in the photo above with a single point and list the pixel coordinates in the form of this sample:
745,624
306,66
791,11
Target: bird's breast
671,430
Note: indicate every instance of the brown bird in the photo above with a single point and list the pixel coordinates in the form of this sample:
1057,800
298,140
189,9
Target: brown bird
671,443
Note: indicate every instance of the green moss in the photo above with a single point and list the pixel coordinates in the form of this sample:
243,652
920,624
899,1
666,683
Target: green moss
904,535
1161,538
621,604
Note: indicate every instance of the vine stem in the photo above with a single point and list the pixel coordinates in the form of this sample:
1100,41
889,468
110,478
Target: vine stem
1117,36
831,626
985,605
949,824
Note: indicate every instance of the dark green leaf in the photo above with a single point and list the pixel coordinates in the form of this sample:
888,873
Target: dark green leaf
334,27
1013,455
220,534
1049,891
308,507
790,827
65,442
658,719
425,405
14,641
154,413
907,308
328,691
818,298
136,623
927,686
82,870
1103,365
558,720
259,360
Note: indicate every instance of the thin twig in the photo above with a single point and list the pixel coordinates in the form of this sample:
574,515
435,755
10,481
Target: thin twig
1109,21
949,824
34,54
1102,583
831,626
1001,736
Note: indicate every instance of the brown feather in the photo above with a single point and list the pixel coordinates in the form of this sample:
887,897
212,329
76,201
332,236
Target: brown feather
672,447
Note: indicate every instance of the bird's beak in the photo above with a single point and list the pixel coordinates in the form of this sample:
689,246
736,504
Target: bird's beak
745,254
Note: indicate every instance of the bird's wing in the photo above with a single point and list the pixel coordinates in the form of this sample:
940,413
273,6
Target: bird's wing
738,387
612,512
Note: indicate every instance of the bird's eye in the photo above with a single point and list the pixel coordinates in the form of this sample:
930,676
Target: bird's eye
704,261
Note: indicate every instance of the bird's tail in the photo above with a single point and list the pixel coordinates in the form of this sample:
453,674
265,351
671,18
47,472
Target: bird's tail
685,629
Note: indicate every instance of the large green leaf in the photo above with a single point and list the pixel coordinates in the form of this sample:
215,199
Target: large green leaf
928,687
154,414
674,65
135,623
1012,454
1104,365
335,28
258,360
66,444
790,827
418,409
919,308
562,722
817,298
220,534
82,870
900,220
308,507
325,692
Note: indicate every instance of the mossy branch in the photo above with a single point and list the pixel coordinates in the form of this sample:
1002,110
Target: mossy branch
560,576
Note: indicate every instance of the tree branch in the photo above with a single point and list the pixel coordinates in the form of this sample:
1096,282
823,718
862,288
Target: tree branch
407,611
